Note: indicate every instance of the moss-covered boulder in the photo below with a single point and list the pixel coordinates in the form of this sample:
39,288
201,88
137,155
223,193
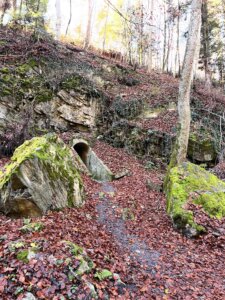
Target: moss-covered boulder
190,184
41,176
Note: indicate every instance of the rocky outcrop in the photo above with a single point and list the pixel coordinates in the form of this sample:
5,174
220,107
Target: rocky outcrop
158,144
202,149
141,142
70,108
69,101
41,176
188,188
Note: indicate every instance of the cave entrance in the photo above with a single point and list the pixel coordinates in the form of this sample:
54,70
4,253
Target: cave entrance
82,150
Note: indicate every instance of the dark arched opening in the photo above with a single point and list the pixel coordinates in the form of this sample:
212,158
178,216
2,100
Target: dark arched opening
82,150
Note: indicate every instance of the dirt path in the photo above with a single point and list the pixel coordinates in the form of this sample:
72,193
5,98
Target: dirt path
137,249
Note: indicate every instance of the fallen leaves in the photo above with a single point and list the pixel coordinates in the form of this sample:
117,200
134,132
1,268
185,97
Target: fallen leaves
185,269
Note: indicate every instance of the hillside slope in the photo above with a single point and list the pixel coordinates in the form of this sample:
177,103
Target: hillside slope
56,87
130,119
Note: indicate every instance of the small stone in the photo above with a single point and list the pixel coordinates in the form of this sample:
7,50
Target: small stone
29,296
122,174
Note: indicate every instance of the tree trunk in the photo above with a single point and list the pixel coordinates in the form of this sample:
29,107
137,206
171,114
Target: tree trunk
21,7
141,32
5,5
151,8
105,28
68,25
165,36
88,31
36,20
177,58
58,19
14,4
206,45
223,47
184,114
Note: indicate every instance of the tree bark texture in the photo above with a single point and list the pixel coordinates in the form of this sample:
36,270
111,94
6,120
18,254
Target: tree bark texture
184,114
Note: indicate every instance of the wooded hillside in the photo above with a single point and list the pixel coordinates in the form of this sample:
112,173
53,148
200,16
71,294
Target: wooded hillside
112,150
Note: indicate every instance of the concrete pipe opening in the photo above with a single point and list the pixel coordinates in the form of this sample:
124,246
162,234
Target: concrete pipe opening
82,150
95,166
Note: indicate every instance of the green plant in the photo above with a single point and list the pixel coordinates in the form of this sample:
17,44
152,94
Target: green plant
150,165
23,256
104,274
16,245
128,214
74,248
31,227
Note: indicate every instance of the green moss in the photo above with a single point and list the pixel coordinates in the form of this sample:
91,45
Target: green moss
55,156
202,147
23,69
71,82
104,274
32,227
15,245
190,183
23,256
85,265
213,204
74,248
44,95
6,78
6,92
127,214
33,63
22,81
5,70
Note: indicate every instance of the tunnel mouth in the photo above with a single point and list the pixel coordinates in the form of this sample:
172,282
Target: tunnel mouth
94,165
82,150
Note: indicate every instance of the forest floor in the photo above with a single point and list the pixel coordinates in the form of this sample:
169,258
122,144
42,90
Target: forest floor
123,227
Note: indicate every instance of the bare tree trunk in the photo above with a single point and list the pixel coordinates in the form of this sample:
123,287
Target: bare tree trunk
184,114
206,46
105,26
177,58
151,8
58,18
68,25
223,48
165,36
170,42
21,7
141,32
14,3
88,31
5,5
36,20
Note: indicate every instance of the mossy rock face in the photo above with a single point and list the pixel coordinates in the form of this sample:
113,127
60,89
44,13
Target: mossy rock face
41,176
190,184
24,82
202,149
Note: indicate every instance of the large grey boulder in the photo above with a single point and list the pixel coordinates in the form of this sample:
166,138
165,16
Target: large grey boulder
42,175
